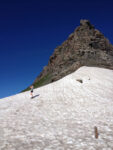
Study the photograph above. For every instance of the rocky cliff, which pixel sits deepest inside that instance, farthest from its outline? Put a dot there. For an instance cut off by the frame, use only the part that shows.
(85, 46)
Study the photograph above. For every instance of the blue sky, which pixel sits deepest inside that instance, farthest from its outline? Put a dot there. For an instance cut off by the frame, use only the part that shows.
(30, 31)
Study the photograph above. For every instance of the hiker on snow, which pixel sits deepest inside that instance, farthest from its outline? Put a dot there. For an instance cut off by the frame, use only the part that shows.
(31, 87)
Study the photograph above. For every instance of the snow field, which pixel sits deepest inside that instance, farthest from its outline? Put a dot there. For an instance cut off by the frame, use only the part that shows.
(63, 114)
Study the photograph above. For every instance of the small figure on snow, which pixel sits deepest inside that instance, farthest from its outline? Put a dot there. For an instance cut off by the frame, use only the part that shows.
(31, 87)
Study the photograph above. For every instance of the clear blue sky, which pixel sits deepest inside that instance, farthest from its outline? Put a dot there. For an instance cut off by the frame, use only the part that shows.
(30, 30)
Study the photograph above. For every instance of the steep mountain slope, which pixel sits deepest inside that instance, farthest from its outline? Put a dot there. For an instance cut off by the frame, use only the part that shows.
(62, 115)
(85, 46)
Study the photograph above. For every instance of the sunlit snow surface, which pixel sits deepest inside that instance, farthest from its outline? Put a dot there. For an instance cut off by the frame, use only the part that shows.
(62, 115)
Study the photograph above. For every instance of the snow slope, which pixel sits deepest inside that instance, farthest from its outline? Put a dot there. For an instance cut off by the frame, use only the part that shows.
(62, 115)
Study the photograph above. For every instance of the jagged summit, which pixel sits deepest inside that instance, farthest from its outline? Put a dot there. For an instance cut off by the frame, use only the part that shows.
(86, 46)
(86, 23)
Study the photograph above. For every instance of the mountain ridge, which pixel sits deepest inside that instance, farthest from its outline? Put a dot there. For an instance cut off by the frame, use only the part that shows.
(85, 46)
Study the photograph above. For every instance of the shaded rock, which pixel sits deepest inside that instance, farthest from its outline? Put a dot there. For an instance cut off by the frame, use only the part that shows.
(79, 80)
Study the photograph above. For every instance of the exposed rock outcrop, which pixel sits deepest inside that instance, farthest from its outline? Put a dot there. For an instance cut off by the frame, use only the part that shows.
(85, 46)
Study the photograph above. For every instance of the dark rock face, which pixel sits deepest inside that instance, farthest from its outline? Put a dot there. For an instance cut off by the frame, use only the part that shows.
(85, 46)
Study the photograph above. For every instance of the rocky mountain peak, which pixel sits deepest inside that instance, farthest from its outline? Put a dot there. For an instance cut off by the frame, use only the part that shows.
(86, 46)
(86, 23)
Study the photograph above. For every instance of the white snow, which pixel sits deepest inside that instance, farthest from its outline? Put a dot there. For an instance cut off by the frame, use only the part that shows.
(63, 114)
